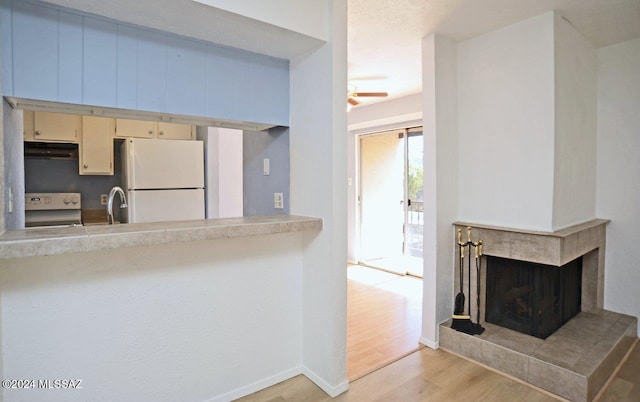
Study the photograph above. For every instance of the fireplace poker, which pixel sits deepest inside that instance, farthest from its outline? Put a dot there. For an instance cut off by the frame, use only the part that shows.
(478, 251)
(469, 243)
(459, 302)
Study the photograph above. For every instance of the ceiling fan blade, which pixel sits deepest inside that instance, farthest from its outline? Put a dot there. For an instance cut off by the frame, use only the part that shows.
(370, 94)
(352, 101)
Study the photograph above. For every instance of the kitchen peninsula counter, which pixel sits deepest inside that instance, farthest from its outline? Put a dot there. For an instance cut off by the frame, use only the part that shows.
(52, 241)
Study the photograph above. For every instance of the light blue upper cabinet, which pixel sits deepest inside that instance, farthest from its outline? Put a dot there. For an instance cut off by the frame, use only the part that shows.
(222, 72)
(152, 71)
(70, 58)
(186, 76)
(6, 37)
(127, 68)
(99, 62)
(65, 56)
(35, 51)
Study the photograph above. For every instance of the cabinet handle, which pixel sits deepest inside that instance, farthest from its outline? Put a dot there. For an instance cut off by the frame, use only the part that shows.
(37, 133)
(161, 132)
(86, 166)
(150, 132)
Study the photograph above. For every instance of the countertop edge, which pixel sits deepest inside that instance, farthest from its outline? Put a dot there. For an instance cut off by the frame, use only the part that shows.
(41, 242)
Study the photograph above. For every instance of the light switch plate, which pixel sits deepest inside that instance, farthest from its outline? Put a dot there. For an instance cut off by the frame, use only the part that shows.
(265, 166)
(10, 200)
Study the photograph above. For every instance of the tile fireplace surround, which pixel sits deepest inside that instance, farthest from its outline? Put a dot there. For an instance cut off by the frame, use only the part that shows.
(576, 360)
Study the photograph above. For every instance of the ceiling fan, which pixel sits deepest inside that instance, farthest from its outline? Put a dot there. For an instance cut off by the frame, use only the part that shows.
(353, 95)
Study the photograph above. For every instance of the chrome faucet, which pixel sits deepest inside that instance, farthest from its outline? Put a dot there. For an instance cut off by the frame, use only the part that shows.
(123, 204)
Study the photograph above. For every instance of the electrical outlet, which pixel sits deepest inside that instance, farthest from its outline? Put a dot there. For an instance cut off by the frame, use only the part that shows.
(278, 201)
(103, 199)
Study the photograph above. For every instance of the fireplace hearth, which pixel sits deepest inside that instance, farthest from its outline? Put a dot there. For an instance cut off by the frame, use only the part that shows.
(534, 299)
(574, 360)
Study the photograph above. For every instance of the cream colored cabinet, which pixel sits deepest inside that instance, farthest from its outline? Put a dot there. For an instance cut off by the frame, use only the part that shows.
(29, 129)
(96, 147)
(57, 127)
(135, 128)
(173, 131)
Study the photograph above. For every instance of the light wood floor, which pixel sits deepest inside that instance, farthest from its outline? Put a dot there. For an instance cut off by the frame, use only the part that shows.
(626, 384)
(384, 319)
(435, 375)
(424, 375)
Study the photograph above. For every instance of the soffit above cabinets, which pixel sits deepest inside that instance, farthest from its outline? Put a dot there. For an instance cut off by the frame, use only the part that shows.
(69, 108)
(203, 22)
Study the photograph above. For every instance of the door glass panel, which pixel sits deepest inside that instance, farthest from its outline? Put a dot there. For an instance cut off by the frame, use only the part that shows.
(415, 187)
(382, 194)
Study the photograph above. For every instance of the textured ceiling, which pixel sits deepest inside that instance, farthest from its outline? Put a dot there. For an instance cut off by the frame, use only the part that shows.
(385, 36)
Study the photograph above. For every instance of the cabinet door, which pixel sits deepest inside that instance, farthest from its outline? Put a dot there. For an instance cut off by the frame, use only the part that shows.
(28, 125)
(57, 127)
(172, 131)
(135, 128)
(96, 147)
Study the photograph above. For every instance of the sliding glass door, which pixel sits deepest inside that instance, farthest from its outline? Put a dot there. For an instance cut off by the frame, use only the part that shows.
(414, 221)
(391, 203)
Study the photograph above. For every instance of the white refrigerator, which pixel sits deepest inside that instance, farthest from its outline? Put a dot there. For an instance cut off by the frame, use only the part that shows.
(163, 179)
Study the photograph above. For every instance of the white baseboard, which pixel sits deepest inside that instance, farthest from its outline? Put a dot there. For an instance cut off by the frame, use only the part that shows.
(333, 391)
(429, 343)
(258, 385)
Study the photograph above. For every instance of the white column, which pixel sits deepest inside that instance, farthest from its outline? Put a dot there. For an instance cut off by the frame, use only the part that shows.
(440, 127)
(318, 133)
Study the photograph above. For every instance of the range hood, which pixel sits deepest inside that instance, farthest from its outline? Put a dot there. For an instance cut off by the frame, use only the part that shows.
(51, 150)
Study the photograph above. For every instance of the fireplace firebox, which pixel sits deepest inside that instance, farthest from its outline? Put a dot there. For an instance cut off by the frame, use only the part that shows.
(534, 299)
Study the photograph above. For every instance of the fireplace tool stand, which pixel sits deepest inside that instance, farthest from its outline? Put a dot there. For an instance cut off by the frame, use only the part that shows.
(461, 321)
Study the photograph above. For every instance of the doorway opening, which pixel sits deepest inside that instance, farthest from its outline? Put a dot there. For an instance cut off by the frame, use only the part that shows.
(385, 288)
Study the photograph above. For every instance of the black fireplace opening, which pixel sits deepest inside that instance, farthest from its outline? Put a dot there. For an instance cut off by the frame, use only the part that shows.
(531, 298)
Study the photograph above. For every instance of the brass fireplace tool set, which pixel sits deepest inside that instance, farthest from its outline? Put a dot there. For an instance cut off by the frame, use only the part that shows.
(461, 321)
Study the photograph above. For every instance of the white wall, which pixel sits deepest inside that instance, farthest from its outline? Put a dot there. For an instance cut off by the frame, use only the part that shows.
(223, 171)
(190, 322)
(230, 165)
(506, 125)
(574, 194)
(319, 188)
(304, 16)
(618, 167)
(441, 177)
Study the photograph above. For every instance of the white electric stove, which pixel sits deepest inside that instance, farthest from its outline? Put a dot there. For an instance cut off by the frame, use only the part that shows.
(52, 209)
